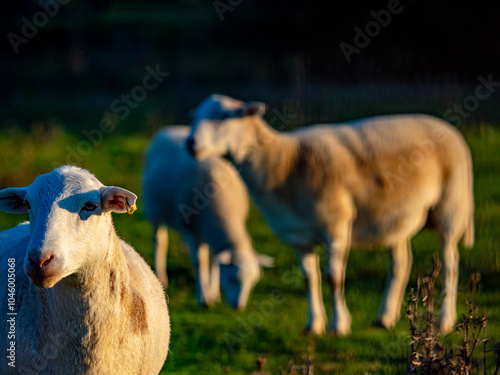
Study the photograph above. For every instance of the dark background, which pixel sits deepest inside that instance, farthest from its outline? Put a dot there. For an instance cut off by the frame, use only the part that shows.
(286, 53)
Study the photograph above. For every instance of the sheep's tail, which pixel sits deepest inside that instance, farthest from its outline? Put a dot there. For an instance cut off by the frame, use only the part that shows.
(160, 256)
(468, 238)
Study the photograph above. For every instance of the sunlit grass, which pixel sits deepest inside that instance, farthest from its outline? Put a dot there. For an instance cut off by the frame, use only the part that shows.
(219, 340)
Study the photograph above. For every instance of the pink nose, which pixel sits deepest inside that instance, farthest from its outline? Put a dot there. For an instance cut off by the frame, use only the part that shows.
(40, 261)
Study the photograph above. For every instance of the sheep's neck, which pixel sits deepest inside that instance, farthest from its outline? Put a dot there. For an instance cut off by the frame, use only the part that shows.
(89, 307)
(269, 157)
(111, 285)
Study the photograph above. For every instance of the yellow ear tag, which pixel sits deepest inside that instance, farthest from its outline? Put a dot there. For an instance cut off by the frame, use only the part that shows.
(130, 209)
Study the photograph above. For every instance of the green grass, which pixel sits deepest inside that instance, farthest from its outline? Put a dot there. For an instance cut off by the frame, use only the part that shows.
(220, 340)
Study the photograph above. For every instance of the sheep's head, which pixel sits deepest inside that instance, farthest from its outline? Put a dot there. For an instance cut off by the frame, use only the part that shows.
(70, 222)
(217, 127)
(239, 273)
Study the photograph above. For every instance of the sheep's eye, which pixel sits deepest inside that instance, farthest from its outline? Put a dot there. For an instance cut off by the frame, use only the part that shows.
(90, 206)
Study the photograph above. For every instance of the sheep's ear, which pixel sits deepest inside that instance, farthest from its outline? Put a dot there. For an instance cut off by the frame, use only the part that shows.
(12, 201)
(116, 199)
(224, 257)
(265, 260)
(254, 109)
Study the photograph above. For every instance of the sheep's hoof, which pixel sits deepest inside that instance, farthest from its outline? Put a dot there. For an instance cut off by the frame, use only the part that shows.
(206, 304)
(339, 332)
(208, 301)
(314, 329)
(378, 324)
(340, 327)
(446, 327)
(309, 332)
(215, 298)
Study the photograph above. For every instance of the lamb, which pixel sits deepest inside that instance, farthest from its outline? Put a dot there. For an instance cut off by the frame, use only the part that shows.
(374, 181)
(82, 300)
(208, 204)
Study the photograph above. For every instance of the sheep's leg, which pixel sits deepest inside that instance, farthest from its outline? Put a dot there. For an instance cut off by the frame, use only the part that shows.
(160, 246)
(215, 280)
(397, 280)
(200, 259)
(316, 316)
(204, 273)
(338, 250)
(451, 259)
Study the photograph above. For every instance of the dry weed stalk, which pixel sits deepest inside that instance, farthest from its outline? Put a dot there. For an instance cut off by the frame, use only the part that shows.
(293, 369)
(428, 354)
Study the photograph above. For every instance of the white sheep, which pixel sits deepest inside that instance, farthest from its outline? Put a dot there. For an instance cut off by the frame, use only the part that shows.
(207, 203)
(82, 300)
(374, 181)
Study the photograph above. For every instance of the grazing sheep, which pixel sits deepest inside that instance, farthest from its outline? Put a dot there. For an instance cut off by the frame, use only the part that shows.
(208, 204)
(85, 302)
(374, 181)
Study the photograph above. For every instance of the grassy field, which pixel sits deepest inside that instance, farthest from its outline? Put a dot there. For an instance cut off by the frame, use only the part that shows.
(219, 340)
